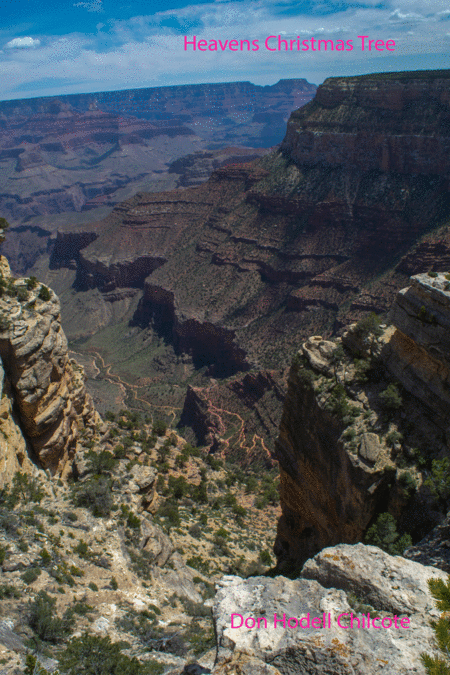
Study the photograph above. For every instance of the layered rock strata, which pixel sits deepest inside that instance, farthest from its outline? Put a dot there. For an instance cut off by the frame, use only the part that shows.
(48, 387)
(384, 585)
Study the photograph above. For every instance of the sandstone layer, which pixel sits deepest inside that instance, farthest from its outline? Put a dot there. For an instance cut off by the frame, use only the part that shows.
(47, 386)
(383, 584)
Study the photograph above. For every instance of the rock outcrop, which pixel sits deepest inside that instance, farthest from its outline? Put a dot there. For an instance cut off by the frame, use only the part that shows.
(348, 453)
(339, 584)
(46, 385)
(328, 492)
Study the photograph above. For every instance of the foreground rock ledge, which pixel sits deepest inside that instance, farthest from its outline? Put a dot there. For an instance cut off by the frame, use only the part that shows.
(390, 584)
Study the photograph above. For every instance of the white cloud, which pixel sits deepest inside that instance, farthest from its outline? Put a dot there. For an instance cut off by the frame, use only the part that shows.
(149, 51)
(23, 43)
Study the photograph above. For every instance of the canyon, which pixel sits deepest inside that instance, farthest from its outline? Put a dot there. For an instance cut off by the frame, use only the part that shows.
(175, 299)
(87, 152)
(188, 305)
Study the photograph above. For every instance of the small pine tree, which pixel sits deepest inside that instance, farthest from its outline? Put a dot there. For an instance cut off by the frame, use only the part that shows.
(383, 533)
(440, 664)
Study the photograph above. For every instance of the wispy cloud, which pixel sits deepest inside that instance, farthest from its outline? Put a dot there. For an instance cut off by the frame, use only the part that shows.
(23, 43)
(91, 6)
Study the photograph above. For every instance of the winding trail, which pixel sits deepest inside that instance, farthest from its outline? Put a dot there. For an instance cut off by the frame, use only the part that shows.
(128, 390)
(241, 439)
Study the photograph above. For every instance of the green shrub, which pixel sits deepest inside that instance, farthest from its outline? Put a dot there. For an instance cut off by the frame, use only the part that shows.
(7, 591)
(198, 563)
(94, 655)
(46, 558)
(31, 282)
(82, 549)
(178, 486)
(433, 275)
(133, 521)
(440, 664)
(265, 557)
(196, 531)
(93, 586)
(439, 480)
(100, 462)
(43, 620)
(44, 293)
(120, 451)
(169, 510)
(390, 398)
(30, 575)
(214, 463)
(394, 437)
(24, 489)
(113, 583)
(407, 482)
(22, 294)
(337, 402)
(5, 323)
(159, 427)
(383, 533)
(94, 495)
(368, 325)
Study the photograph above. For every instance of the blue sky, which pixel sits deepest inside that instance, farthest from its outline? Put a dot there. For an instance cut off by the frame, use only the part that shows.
(61, 47)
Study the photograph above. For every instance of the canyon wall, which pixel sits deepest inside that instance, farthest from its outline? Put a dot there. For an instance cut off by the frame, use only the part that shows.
(345, 460)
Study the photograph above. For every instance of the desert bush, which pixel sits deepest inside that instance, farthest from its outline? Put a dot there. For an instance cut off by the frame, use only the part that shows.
(439, 664)
(368, 325)
(95, 655)
(196, 531)
(8, 591)
(31, 282)
(30, 575)
(265, 557)
(22, 294)
(94, 495)
(390, 398)
(439, 480)
(169, 510)
(214, 463)
(100, 462)
(44, 293)
(159, 427)
(407, 482)
(44, 621)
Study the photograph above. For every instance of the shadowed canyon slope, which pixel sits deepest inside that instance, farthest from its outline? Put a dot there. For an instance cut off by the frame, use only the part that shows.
(176, 288)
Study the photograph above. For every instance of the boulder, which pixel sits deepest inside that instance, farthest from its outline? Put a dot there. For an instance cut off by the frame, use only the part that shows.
(316, 629)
